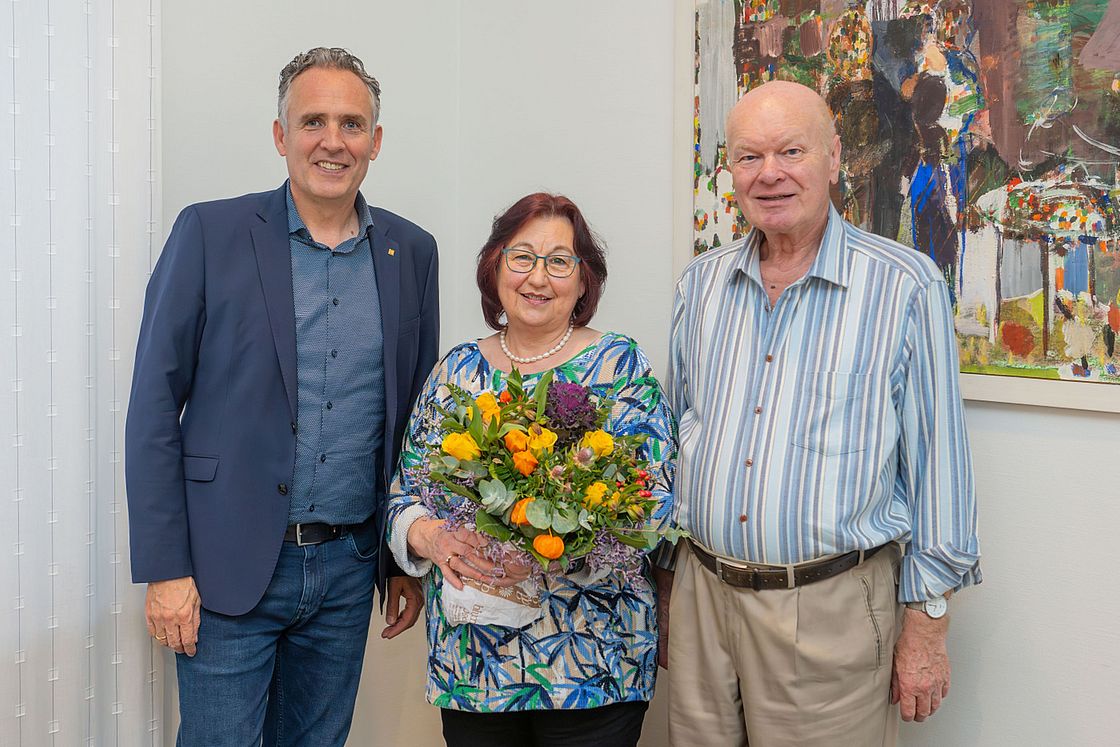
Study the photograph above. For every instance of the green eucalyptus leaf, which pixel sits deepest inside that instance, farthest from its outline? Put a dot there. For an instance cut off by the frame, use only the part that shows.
(565, 519)
(539, 513)
(495, 497)
(476, 469)
(673, 534)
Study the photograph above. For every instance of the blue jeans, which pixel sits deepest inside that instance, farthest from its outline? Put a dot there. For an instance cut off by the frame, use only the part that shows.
(287, 671)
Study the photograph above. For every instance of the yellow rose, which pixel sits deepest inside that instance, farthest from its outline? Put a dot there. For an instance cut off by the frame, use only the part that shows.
(598, 441)
(593, 494)
(517, 440)
(488, 405)
(461, 446)
(540, 439)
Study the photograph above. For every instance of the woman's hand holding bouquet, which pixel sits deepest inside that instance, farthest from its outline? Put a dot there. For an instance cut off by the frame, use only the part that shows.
(539, 483)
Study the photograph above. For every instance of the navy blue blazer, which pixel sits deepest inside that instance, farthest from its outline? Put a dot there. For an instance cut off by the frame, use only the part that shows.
(210, 433)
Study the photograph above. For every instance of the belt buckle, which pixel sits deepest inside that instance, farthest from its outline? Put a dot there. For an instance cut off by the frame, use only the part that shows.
(299, 536)
(756, 577)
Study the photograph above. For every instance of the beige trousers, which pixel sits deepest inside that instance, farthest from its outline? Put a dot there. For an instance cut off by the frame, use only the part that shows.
(803, 667)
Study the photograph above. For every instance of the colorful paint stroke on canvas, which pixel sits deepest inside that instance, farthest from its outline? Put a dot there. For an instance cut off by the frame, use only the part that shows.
(985, 134)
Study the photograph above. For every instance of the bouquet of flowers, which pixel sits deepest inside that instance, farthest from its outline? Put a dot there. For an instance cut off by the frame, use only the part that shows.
(539, 473)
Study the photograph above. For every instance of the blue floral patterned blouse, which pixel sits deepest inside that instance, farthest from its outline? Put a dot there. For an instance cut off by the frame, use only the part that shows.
(595, 644)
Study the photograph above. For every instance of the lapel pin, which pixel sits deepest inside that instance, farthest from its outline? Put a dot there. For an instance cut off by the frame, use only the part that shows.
(392, 251)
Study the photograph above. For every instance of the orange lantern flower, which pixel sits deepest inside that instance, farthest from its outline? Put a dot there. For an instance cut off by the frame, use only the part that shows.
(548, 545)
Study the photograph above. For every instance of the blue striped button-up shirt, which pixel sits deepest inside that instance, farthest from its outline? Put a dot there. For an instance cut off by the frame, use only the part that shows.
(829, 422)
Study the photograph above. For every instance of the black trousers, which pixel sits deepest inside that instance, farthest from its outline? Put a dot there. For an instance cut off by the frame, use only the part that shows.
(616, 725)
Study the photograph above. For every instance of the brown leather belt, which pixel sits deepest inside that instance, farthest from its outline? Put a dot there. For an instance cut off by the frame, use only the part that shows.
(759, 577)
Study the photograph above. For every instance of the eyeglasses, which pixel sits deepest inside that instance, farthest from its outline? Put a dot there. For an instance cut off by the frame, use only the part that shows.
(556, 265)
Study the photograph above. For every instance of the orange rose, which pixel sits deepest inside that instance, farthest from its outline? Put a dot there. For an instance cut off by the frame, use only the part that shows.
(517, 440)
(519, 509)
(525, 462)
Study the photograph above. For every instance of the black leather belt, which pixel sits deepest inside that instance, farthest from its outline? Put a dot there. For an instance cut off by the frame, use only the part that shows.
(759, 577)
(313, 534)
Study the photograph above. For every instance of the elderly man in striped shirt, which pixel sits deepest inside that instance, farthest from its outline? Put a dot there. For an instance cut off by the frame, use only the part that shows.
(813, 367)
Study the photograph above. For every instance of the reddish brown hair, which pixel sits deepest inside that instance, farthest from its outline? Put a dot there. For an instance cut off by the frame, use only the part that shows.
(592, 267)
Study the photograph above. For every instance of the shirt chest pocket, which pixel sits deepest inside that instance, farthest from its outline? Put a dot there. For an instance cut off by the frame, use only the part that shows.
(834, 411)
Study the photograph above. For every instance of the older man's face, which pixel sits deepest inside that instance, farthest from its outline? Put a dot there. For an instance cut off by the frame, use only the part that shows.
(782, 162)
(330, 138)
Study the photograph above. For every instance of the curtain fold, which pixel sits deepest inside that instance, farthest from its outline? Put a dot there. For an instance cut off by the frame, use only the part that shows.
(79, 231)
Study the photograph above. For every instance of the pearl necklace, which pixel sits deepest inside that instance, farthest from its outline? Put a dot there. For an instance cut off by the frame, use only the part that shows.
(533, 359)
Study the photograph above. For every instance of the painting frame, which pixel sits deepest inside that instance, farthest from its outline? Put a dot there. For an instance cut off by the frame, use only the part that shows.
(1051, 393)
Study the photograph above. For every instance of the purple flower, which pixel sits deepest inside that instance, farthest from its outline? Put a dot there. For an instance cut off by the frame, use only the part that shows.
(569, 410)
(608, 552)
(439, 501)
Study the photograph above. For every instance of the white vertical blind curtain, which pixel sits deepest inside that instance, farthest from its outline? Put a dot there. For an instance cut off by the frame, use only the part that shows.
(79, 231)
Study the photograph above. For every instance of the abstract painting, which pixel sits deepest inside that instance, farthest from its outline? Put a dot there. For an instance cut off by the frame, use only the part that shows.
(984, 133)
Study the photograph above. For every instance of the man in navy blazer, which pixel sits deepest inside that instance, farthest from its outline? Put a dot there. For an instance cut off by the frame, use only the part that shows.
(285, 337)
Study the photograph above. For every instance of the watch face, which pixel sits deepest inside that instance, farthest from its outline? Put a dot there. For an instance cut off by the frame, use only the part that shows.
(936, 608)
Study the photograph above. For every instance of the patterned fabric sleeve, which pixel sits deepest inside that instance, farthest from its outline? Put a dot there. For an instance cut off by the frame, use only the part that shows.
(404, 499)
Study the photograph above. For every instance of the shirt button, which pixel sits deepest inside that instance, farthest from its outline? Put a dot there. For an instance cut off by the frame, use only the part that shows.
(282, 488)
(749, 462)
(743, 518)
(322, 458)
(334, 353)
(294, 429)
(330, 405)
(334, 301)
(769, 358)
(758, 411)
(311, 508)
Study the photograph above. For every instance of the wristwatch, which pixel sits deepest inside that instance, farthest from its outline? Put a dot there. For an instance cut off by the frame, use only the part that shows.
(935, 608)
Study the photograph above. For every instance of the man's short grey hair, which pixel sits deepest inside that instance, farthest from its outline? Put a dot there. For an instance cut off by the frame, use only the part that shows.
(332, 58)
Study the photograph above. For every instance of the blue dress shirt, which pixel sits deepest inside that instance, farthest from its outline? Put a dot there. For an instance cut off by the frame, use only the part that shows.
(340, 411)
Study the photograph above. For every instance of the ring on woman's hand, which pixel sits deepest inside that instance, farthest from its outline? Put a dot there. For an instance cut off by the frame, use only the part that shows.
(448, 561)
(160, 638)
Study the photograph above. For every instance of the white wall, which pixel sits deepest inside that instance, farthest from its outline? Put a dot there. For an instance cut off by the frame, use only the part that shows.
(484, 101)
(1036, 647)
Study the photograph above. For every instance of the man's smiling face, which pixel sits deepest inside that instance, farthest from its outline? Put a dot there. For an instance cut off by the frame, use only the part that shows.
(330, 137)
(783, 154)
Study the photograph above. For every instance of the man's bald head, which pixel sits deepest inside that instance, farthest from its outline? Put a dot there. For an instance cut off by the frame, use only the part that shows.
(785, 97)
(784, 153)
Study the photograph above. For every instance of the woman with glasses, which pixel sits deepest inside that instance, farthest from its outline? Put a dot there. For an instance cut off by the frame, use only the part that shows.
(583, 673)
